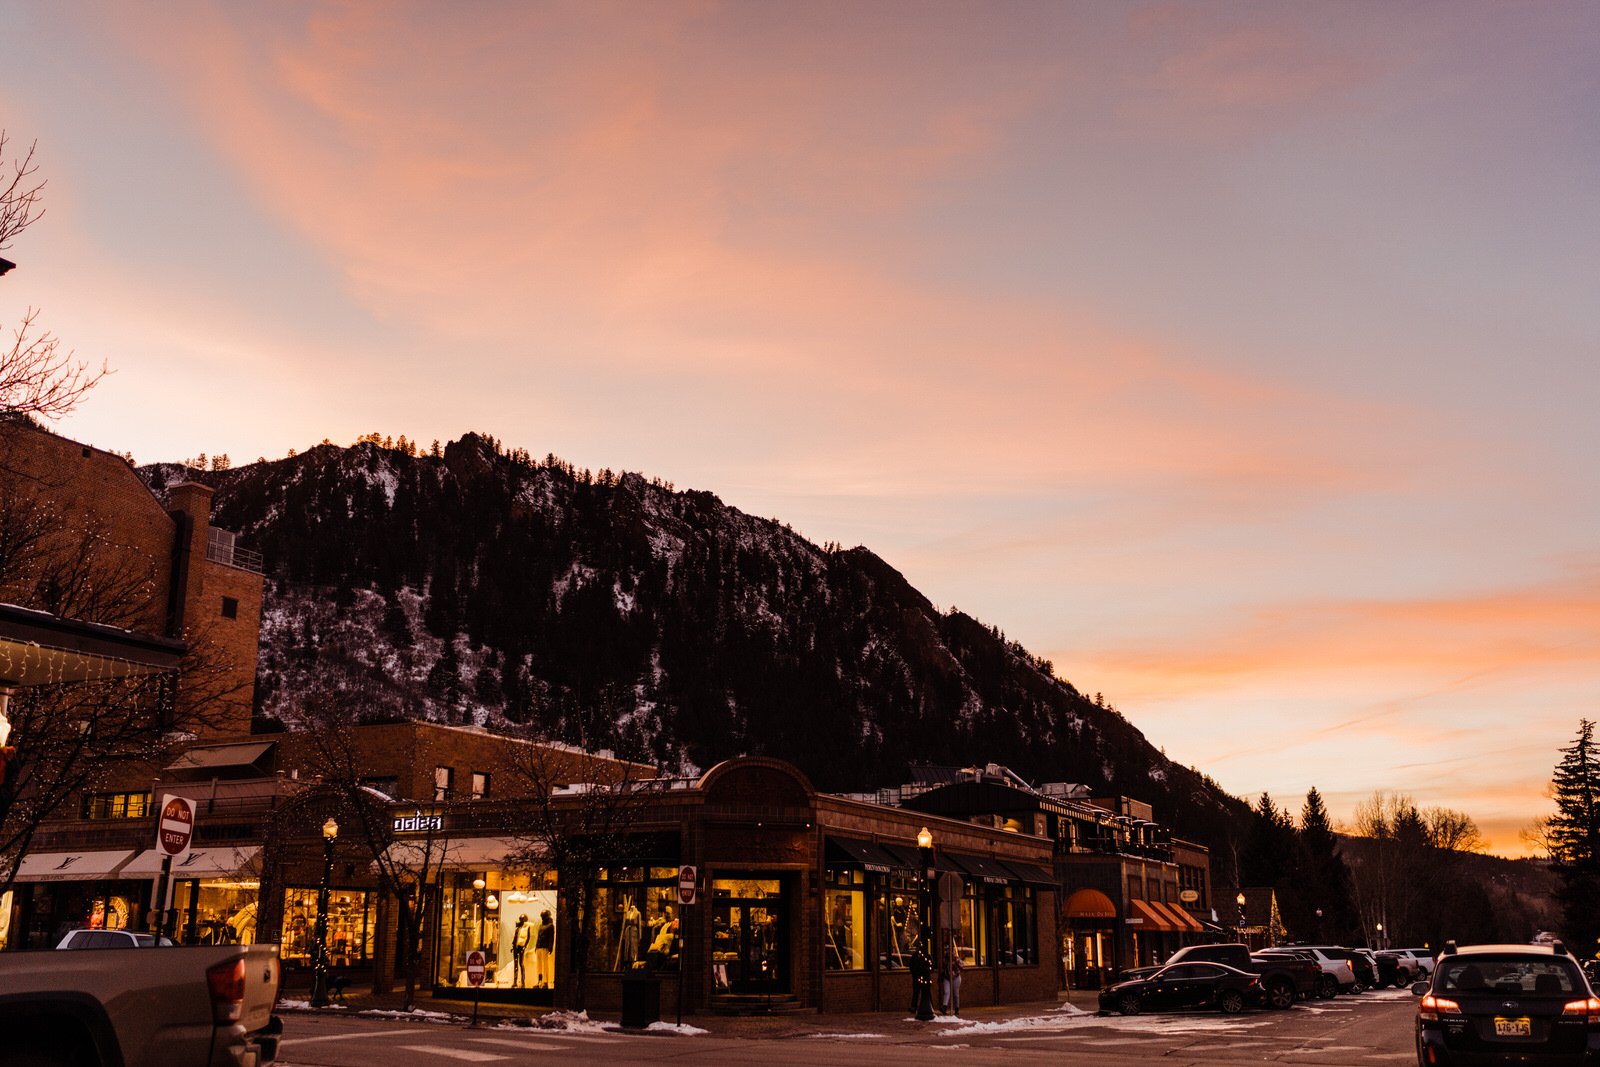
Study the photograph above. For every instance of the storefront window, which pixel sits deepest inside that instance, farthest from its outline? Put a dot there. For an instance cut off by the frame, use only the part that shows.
(635, 920)
(1015, 938)
(844, 911)
(350, 926)
(508, 915)
(223, 911)
(5, 919)
(974, 927)
(898, 921)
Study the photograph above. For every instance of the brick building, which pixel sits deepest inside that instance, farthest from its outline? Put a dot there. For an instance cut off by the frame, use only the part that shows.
(128, 629)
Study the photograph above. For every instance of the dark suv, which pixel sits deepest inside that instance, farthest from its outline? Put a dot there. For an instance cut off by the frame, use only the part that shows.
(1503, 1004)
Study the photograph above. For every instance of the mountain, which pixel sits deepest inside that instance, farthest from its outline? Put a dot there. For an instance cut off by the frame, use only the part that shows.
(477, 585)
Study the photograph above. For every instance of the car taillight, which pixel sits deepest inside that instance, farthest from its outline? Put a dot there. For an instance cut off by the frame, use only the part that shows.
(226, 984)
(1255, 983)
(1431, 1007)
(1588, 1008)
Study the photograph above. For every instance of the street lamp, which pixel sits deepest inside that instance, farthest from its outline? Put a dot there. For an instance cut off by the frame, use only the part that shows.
(924, 977)
(1380, 935)
(319, 958)
(1319, 925)
(1239, 900)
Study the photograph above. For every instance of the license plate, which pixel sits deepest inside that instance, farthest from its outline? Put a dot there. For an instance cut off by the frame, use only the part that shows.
(1504, 1027)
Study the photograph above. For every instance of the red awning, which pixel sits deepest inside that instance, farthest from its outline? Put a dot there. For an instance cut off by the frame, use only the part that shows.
(1088, 904)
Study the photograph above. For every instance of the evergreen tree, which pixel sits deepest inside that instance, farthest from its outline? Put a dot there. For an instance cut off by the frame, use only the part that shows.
(1269, 850)
(396, 626)
(445, 681)
(1321, 881)
(1574, 836)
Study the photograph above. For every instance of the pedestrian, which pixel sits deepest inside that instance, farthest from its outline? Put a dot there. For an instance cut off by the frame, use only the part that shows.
(950, 979)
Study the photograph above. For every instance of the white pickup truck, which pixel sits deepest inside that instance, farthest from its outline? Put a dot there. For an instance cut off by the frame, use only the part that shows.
(205, 1006)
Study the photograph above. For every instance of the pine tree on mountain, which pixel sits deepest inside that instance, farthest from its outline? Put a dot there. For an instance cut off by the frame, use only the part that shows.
(1574, 836)
(1322, 879)
(444, 680)
(1269, 850)
(396, 624)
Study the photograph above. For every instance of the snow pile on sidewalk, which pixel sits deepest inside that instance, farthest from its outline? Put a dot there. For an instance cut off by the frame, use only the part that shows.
(577, 1022)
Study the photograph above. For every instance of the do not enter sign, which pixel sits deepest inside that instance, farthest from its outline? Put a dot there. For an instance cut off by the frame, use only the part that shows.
(475, 968)
(688, 880)
(175, 830)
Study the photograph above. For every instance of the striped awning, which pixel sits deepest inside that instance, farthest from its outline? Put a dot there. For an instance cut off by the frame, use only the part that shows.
(1146, 917)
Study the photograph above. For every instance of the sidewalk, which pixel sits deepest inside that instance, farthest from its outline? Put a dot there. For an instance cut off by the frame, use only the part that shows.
(453, 1012)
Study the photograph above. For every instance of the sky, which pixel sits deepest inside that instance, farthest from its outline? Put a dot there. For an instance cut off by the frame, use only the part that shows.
(1239, 358)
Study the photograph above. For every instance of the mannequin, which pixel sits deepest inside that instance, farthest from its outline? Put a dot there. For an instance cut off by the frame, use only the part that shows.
(632, 924)
(521, 937)
(544, 944)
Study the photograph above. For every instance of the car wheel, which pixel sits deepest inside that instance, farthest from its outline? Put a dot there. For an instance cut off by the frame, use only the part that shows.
(1128, 1004)
(1327, 987)
(1280, 995)
(1231, 1002)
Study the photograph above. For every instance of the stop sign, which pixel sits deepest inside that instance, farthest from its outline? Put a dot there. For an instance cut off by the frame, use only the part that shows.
(175, 828)
(475, 966)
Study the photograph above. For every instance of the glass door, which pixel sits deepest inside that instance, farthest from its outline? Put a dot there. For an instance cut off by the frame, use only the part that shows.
(749, 940)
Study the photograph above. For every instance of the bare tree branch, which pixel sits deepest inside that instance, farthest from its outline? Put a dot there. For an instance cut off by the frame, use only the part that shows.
(37, 379)
(19, 200)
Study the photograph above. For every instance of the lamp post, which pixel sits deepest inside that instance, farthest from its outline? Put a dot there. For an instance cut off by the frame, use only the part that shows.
(1319, 925)
(1239, 900)
(925, 975)
(319, 957)
(1380, 944)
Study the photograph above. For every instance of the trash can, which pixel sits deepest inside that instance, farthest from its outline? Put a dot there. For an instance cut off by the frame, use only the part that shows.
(641, 1001)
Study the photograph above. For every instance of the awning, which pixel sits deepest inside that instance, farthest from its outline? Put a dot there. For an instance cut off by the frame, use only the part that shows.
(225, 862)
(459, 853)
(1145, 916)
(907, 859)
(40, 648)
(984, 870)
(219, 757)
(863, 854)
(1029, 873)
(1186, 923)
(72, 866)
(1089, 904)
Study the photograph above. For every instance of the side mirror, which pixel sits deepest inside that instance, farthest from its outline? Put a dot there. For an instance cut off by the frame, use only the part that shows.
(1419, 989)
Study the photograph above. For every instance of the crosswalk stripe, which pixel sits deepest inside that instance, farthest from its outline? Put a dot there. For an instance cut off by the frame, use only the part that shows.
(456, 1053)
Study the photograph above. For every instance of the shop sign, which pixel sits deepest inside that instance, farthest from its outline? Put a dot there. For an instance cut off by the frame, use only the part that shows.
(175, 830)
(1189, 896)
(688, 881)
(418, 823)
(476, 964)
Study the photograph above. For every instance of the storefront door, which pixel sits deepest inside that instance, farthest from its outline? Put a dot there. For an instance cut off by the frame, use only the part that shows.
(750, 936)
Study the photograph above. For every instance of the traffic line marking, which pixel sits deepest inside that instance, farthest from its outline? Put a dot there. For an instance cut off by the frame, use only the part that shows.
(410, 1031)
(456, 1053)
(527, 1046)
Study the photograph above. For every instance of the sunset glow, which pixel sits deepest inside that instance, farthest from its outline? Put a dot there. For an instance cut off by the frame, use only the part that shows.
(1239, 358)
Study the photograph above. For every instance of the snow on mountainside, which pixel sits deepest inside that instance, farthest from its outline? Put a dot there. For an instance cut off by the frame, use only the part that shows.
(484, 587)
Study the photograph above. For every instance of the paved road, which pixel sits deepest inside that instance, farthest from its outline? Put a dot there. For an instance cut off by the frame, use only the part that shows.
(1366, 1031)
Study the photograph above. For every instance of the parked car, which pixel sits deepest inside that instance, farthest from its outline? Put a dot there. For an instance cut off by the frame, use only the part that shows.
(1337, 974)
(86, 938)
(1361, 965)
(1505, 1004)
(1396, 969)
(1424, 958)
(1185, 986)
(1283, 981)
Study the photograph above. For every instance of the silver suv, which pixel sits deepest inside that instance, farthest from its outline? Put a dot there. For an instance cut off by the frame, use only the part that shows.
(111, 939)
